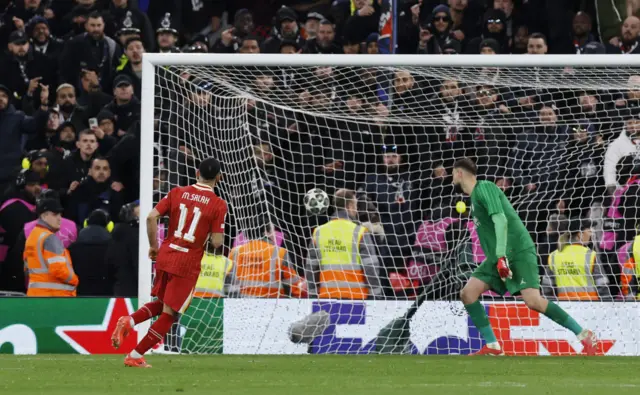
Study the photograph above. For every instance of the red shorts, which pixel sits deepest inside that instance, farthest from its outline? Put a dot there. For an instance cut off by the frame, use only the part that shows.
(174, 291)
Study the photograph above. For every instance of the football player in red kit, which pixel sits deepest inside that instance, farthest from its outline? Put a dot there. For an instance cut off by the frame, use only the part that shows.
(195, 215)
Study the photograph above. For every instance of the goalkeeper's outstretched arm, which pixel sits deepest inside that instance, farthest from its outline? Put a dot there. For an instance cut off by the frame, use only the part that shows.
(500, 226)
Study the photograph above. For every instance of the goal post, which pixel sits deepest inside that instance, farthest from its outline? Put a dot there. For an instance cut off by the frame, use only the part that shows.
(537, 125)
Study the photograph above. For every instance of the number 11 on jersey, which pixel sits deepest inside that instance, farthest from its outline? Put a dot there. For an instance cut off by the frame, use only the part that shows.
(184, 212)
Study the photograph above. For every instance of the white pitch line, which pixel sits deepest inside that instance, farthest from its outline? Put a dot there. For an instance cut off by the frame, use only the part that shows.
(484, 384)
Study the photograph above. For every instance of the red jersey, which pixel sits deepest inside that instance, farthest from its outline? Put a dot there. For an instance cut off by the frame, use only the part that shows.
(194, 213)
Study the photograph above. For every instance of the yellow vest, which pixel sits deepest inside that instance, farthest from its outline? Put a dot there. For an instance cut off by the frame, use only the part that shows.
(572, 268)
(341, 274)
(123, 62)
(635, 248)
(214, 270)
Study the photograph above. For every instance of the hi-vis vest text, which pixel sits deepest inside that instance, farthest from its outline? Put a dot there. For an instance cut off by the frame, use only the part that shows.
(341, 272)
(572, 268)
(214, 270)
(259, 271)
(48, 265)
(631, 269)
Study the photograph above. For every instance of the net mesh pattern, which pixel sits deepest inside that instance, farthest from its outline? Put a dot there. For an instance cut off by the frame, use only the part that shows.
(559, 141)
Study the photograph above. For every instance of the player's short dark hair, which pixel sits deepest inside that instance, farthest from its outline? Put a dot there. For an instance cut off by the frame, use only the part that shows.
(209, 169)
(466, 164)
(343, 197)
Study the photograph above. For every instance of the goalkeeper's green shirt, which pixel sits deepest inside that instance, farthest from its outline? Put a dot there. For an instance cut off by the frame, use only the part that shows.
(486, 200)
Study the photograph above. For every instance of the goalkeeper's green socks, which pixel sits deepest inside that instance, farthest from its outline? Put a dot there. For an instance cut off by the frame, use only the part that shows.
(481, 321)
(560, 317)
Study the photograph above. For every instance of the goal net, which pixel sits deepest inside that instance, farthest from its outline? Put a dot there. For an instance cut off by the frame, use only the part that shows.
(557, 134)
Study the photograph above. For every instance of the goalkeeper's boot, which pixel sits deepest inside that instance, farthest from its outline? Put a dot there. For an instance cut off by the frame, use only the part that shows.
(486, 350)
(123, 328)
(589, 342)
(131, 362)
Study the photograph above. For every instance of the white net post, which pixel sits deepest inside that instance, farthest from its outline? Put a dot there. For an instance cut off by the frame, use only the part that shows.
(538, 126)
(147, 132)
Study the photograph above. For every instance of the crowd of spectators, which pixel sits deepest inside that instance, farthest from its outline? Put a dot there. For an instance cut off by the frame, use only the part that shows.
(70, 90)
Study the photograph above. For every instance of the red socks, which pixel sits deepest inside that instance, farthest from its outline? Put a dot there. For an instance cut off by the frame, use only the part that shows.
(146, 312)
(156, 333)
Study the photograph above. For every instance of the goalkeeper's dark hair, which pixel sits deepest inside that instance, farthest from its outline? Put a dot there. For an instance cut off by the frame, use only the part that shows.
(343, 197)
(466, 164)
(209, 169)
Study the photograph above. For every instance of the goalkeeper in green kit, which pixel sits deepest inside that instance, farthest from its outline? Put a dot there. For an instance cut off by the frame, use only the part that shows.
(511, 262)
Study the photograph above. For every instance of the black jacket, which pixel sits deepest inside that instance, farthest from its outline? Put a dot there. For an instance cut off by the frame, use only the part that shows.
(124, 254)
(580, 171)
(76, 169)
(83, 52)
(12, 220)
(126, 114)
(13, 125)
(629, 208)
(57, 174)
(90, 196)
(89, 259)
(93, 102)
(51, 49)
(124, 159)
(35, 65)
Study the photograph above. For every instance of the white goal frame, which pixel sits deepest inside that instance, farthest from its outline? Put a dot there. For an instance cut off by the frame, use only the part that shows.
(151, 60)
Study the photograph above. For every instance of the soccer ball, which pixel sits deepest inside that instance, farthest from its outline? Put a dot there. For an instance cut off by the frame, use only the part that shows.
(316, 201)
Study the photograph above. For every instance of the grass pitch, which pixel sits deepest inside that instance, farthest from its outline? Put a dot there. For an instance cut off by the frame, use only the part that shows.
(326, 375)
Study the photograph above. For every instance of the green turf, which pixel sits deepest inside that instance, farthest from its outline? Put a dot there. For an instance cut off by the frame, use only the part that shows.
(326, 375)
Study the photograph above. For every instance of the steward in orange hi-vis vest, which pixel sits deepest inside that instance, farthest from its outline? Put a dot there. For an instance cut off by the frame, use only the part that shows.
(261, 269)
(47, 262)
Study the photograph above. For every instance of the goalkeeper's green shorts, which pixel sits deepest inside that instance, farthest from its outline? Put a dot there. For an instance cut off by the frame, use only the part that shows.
(524, 266)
